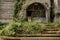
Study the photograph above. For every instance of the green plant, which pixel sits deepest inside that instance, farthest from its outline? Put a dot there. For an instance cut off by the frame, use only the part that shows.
(10, 29)
(18, 6)
(2, 25)
(22, 27)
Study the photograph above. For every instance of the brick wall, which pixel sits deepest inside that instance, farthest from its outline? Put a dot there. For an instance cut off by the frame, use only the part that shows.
(6, 10)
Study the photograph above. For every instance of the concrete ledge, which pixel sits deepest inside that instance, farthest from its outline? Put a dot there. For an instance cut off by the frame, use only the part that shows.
(31, 38)
(38, 35)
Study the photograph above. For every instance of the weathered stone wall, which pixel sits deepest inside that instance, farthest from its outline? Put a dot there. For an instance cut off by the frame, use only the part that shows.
(45, 3)
(6, 10)
(58, 6)
(57, 10)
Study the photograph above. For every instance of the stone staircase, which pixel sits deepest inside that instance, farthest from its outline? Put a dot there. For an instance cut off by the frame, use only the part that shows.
(50, 33)
(51, 30)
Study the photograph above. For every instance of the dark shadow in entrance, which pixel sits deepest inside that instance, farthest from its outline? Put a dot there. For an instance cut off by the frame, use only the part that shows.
(52, 14)
(36, 10)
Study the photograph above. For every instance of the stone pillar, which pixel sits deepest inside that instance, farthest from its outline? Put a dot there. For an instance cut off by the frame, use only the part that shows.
(55, 10)
(47, 15)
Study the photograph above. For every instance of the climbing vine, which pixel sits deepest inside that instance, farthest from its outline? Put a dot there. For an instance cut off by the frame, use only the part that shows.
(18, 6)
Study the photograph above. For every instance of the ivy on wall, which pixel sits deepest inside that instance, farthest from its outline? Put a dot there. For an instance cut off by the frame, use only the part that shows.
(18, 6)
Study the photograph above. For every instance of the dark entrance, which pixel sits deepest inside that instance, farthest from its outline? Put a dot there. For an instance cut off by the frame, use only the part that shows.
(36, 11)
(52, 14)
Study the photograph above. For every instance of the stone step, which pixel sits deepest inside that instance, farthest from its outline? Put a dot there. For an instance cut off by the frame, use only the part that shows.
(50, 29)
(37, 35)
(50, 32)
(31, 38)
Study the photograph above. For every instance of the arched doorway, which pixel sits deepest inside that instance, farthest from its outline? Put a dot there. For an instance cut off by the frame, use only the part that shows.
(36, 12)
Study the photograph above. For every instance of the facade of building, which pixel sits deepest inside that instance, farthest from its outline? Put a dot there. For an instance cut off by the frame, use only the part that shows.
(37, 10)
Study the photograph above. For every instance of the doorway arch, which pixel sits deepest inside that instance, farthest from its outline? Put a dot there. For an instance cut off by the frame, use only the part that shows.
(36, 11)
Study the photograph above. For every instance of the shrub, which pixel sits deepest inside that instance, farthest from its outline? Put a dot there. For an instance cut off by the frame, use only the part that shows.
(18, 8)
(2, 25)
(22, 28)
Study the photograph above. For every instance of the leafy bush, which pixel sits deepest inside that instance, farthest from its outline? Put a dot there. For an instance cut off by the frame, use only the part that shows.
(22, 28)
(2, 25)
(9, 29)
(18, 7)
(32, 27)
